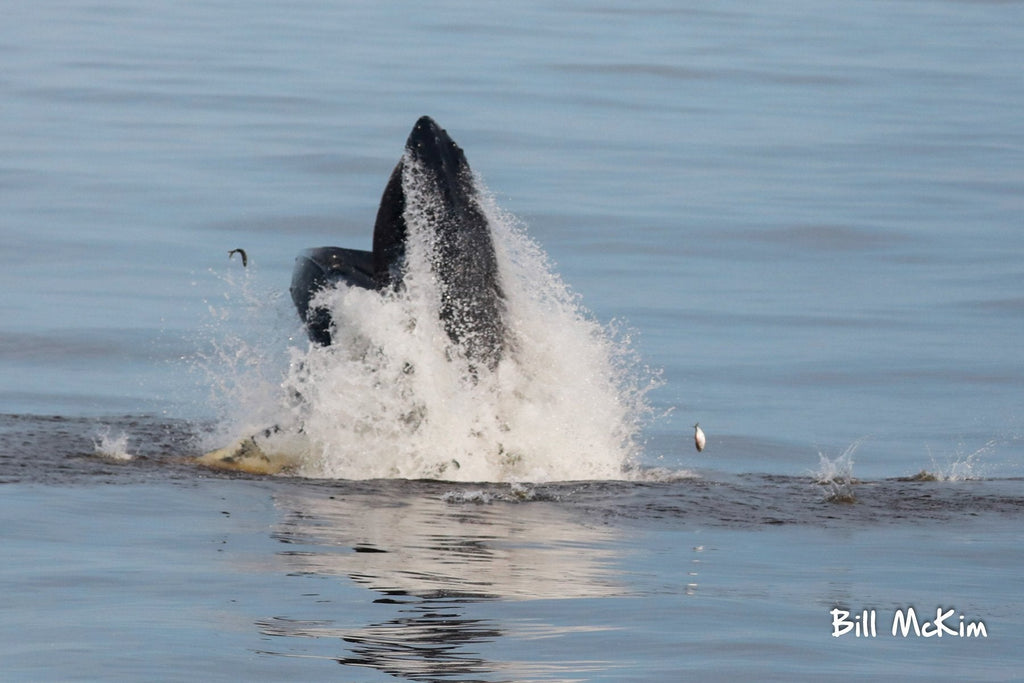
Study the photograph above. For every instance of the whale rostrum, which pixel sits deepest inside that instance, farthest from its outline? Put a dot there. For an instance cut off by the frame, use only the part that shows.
(431, 189)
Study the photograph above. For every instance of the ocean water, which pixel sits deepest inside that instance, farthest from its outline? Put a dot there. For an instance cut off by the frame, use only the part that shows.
(798, 225)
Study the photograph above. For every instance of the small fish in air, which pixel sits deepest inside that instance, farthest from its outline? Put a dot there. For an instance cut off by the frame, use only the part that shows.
(698, 437)
(245, 258)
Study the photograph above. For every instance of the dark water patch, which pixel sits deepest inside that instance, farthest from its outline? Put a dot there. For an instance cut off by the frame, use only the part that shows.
(1009, 306)
(683, 73)
(135, 448)
(753, 501)
(57, 450)
(747, 501)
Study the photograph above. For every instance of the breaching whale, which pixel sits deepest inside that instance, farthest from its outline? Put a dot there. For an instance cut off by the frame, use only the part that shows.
(433, 184)
(431, 189)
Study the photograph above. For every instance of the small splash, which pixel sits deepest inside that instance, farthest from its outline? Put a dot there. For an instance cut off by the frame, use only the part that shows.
(960, 467)
(244, 356)
(836, 475)
(477, 496)
(112, 447)
(516, 492)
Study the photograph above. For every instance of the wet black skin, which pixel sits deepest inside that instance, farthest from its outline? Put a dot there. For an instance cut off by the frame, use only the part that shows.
(472, 303)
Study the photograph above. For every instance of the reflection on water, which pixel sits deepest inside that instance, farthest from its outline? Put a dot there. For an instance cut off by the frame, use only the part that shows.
(424, 643)
(474, 584)
(431, 561)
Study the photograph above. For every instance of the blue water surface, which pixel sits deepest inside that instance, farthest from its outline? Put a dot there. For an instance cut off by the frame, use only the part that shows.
(807, 215)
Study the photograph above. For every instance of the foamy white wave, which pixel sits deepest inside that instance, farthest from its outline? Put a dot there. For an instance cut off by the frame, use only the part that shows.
(394, 397)
(112, 447)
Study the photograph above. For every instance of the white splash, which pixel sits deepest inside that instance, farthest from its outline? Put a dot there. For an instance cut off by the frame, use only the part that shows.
(962, 466)
(112, 447)
(836, 474)
(393, 398)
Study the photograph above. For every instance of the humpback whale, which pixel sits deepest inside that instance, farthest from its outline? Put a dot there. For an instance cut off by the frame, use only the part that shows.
(431, 189)
(431, 192)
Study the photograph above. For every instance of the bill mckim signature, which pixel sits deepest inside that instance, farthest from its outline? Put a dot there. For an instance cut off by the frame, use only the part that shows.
(907, 624)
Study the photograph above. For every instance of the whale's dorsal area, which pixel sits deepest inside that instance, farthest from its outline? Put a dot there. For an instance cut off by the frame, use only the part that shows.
(431, 194)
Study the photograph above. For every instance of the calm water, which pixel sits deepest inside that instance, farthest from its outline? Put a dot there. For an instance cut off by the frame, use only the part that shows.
(805, 217)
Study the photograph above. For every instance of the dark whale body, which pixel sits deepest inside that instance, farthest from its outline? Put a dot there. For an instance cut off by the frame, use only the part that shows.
(433, 187)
